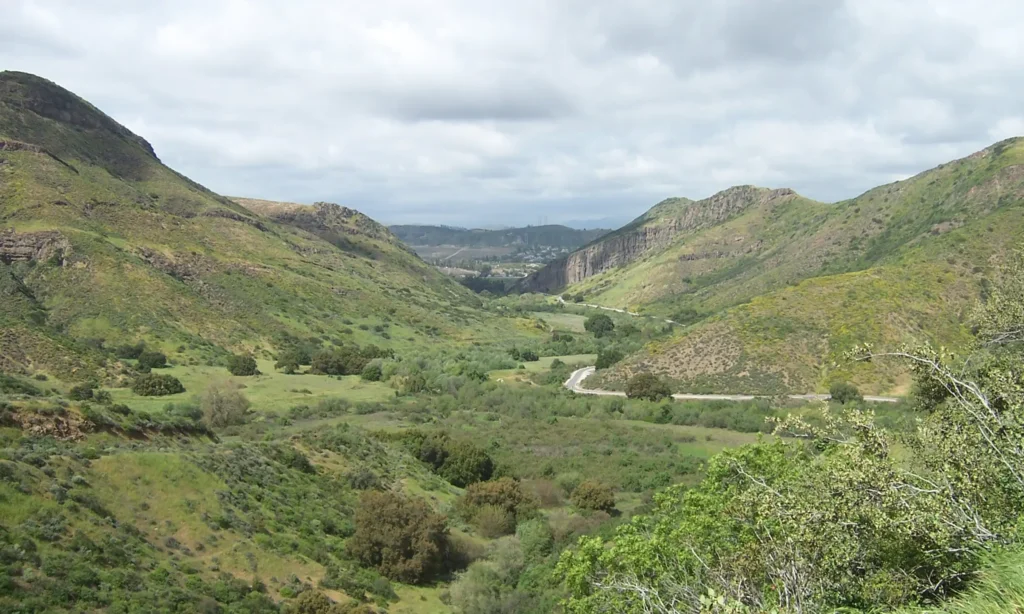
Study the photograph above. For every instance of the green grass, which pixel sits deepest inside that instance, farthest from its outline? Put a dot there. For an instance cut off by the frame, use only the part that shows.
(998, 589)
(562, 321)
(270, 392)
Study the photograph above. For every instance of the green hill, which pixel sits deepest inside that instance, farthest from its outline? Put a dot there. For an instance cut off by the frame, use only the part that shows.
(781, 285)
(530, 236)
(101, 244)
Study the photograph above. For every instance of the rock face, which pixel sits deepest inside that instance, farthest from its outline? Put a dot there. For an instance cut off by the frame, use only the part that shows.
(650, 233)
(33, 246)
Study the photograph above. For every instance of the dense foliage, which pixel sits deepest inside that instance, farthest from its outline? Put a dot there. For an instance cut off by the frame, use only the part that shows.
(156, 385)
(242, 365)
(647, 386)
(402, 538)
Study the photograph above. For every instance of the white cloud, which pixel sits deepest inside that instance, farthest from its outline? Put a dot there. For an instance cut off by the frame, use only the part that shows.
(464, 111)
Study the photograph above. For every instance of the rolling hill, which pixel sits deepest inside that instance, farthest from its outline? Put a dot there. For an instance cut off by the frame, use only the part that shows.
(530, 236)
(102, 244)
(777, 287)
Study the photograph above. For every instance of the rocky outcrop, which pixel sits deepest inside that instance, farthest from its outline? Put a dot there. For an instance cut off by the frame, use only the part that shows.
(649, 234)
(33, 246)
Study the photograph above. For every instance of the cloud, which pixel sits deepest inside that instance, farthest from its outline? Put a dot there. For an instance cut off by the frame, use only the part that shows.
(474, 112)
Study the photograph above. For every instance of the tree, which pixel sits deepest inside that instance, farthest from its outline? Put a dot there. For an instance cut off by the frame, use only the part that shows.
(844, 393)
(130, 351)
(504, 494)
(608, 357)
(466, 464)
(593, 496)
(243, 365)
(155, 385)
(647, 386)
(372, 372)
(152, 360)
(223, 405)
(402, 538)
(81, 392)
(599, 325)
(289, 361)
(529, 356)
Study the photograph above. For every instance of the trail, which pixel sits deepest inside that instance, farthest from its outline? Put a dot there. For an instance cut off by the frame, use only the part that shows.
(452, 255)
(575, 381)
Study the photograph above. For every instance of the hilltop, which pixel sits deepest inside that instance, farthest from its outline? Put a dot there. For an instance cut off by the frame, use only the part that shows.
(551, 235)
(101, 244)
(777, 286)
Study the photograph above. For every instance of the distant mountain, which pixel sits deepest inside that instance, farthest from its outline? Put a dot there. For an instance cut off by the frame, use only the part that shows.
(555, 236)
(779, 286)
(101, 244)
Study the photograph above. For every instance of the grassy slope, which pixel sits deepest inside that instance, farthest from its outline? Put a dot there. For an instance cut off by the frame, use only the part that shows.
(902, 262)
(154, 256)
(998, 589)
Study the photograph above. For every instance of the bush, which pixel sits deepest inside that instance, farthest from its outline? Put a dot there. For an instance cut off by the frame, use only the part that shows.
(599, 325)
(402, 538)
(130, 351)
(466, 464)
(102, 397)
(372, 372)
(156, 385)
(536, 539)
(647, 386)
(493, 521)
(242, 365)
(81, 392)
(152, 360)
(593, 496)
(223, 405)
(845, 393)
(608, 357)
(505, 494)
(529, 356)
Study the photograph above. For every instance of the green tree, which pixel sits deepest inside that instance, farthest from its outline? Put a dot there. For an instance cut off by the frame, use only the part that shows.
(599, 325)
(593, 496)
(647, 386)
(529, 356)
(608, 357)
(844, 393)
(152, 360)
(81, 392)
(402, 538)
(242, 365)
(154, 385)
(372, 372)
(465, 464)
(224, 405)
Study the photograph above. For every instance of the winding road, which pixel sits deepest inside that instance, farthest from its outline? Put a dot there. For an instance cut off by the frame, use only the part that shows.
(575, 381)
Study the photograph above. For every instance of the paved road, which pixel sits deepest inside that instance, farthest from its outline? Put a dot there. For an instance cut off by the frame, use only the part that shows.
(575, 384)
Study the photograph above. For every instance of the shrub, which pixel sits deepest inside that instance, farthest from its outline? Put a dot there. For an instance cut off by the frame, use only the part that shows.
(224, 405)
(493, 521)
(608, 357)
(599, 325)
(402, 538)
(102, 397)
(593, 496)
(156, 385)
(81, 392)
(647, 386)
(152, 360)
(372, 372)
(529, 356)
(536, 539)
(504, 493)
(242, 365)
(844, 393)
(466, 464)
(130, 351)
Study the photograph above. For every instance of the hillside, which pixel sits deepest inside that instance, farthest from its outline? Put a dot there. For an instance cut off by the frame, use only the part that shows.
(529, 236)
(781, 285)
(101, 244)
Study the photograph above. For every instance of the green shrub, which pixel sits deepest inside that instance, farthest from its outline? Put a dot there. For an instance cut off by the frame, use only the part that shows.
(152, 360)
(593, 496)
(599, 325)
(647, 386)
(13, 385)
(402, 538)
(529, 356)
(505, 494)
(608, 357)
(844, 393)
(81, 392)
(130, 351)
(493, 521)
(372, 372)
(243, 365)
(466, 464)
(224, 405)
(155, 385)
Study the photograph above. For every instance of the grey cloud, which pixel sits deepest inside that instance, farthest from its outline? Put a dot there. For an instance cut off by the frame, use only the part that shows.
(479, 111)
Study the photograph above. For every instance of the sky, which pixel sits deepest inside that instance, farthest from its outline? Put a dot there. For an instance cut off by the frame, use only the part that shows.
(484, 112)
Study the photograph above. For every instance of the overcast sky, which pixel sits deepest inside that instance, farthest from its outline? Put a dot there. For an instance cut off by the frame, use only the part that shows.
(490, 112)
